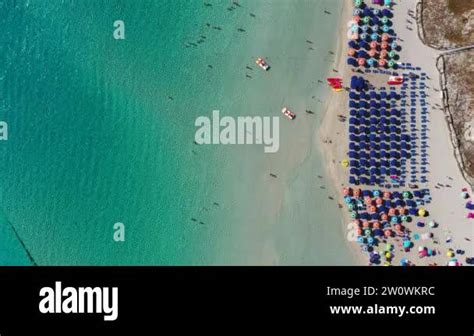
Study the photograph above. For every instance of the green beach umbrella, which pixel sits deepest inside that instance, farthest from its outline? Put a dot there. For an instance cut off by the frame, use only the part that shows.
(353, 214)
(358, 3)
(385, 20)
(391, 64)
(366, 19)
(392, 54)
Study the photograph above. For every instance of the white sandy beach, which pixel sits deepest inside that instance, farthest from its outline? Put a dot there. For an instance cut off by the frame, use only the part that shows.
(447, 208)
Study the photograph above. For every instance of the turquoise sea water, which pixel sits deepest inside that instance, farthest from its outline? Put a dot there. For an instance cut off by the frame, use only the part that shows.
(95, 139)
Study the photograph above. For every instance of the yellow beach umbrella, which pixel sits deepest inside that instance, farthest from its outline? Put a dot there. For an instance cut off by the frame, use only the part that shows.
(345, 163)
(421, 212)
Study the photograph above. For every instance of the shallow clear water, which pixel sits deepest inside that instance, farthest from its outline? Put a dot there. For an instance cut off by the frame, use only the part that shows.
(95, 139)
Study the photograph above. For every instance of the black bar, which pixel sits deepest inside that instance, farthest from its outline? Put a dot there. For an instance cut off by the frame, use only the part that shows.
(158, 298)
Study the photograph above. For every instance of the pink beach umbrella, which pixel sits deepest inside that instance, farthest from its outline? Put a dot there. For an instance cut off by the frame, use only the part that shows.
(385, 37)
(373, 44)
(361, 61)
(383, 54)
(384, 45)
(382, 62)
(351, 52)
(372, 52)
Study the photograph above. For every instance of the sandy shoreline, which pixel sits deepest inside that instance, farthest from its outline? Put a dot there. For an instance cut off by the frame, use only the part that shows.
(333, 130)
(447, 208)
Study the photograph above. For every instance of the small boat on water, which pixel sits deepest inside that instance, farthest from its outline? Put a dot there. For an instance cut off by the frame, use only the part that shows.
(262, 64)
(395, 80)
(287, 113)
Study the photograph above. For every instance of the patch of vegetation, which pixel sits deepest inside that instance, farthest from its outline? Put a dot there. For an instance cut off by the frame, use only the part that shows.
(460, 7)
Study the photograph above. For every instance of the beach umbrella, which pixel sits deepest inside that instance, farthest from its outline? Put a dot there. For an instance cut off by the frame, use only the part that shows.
(421, 212)
(382, 63)
(353, 45)
(394, 46)
(366, 19)
(375, 28)
(392, 54)
(364, 44)
(391, 64)
(387, 12)
(385, 20)
(355, 171)
(385, 37)
(355, 28)
(372, 52)
(373, 45)
(383, 54)
(407, 244)
(385, 29)
(374, 36)
(351, 52)
(384, 45)
(352, 61)
(365, 28)
(363, 36)
(353, 95)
